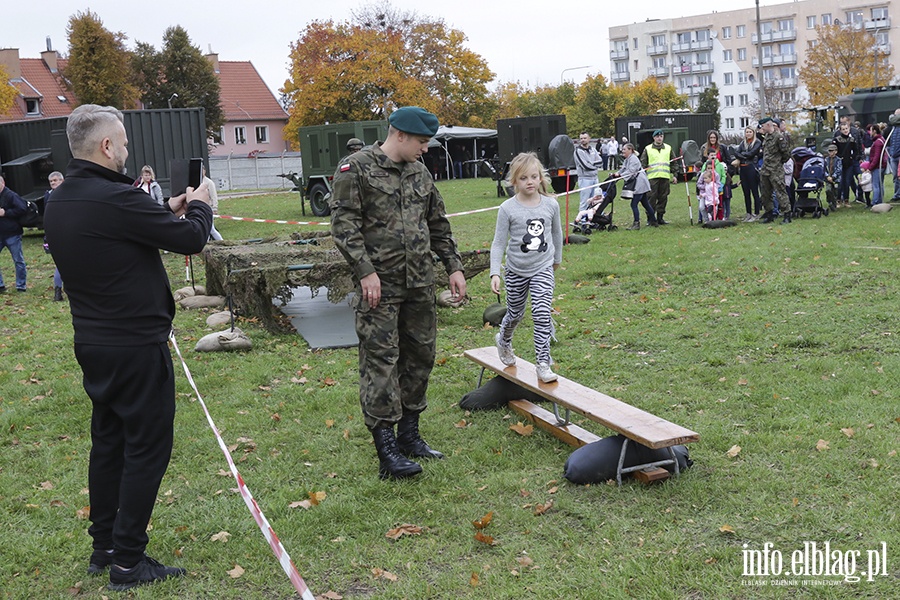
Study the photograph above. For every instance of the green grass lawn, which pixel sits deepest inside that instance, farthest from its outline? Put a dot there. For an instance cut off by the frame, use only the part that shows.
(779, 340)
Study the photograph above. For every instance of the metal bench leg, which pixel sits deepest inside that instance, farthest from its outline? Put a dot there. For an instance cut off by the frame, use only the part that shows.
(671, 450)
(560, 421)
(621, 462)
(480, 376)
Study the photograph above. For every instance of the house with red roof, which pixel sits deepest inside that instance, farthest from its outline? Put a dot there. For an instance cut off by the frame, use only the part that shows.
(42, 90)
(254, 119)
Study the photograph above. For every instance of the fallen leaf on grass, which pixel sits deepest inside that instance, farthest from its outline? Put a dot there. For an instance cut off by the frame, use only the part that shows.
(222, 536)
(406, 529)
(727, 529)
(485, 539)
(733, 451)
(473, 580)
(329, 595)
(461, 424)
(525, 561)
(483, 521)
(522, 429)
(848, 431)
(382, 574)
(821, 445)
(540, 509)
(329, 381)
(236, 572)
(45, 485)
(83, 513)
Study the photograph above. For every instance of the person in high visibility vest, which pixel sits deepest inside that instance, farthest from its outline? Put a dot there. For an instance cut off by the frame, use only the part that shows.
(661, 171)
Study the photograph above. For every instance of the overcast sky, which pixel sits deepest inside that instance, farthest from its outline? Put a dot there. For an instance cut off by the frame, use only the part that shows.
(532, 42)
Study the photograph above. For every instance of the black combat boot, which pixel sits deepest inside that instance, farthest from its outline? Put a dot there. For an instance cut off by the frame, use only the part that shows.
(391, 462)
(634, 226)
(786, 219)
(769, 217)
(410, 442)
(57, 294)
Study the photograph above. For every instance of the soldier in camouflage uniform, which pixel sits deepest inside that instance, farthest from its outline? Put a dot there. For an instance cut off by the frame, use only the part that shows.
(387, 218)
(771, 176)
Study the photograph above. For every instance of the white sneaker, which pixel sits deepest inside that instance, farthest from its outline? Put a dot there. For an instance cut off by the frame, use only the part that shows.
(505, 352)
(544, 373)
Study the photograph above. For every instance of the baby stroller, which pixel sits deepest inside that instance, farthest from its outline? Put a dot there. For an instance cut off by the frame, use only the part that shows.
(809, 173)
(594, 218)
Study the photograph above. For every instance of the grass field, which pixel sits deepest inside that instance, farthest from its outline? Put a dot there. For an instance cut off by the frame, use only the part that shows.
(777, 344)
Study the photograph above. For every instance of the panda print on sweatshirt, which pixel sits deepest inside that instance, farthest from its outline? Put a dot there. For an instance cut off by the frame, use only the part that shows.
(533, 240)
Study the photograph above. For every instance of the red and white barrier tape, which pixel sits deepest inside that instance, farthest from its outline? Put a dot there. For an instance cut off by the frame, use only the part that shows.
(280, 553)
(276, 221)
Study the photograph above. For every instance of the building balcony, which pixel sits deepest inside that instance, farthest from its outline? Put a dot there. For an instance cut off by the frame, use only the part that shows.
(776, 59)
(692, 68)
(658, 72)
(883, 49)
(785, 35)
(778, 83)
(692, 46)
(618, 76)
(618, 54)
(876, 24)
(657, 50)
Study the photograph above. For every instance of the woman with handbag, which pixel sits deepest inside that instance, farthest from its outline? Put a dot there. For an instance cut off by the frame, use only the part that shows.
(636, 187)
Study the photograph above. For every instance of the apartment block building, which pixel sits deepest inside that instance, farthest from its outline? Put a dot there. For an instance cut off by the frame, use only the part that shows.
(723, 48)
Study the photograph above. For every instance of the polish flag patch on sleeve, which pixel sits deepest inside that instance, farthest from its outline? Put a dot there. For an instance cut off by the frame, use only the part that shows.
(345, 168)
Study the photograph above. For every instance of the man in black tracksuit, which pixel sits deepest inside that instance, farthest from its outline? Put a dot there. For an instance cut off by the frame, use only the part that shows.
(105, 237)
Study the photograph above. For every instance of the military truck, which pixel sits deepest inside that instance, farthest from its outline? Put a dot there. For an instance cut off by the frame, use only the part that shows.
(321, 149)
(545, 136)
(679, 126)
(870, 105)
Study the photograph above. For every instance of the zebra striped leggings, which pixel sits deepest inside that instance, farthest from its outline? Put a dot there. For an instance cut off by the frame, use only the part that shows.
(540, 286)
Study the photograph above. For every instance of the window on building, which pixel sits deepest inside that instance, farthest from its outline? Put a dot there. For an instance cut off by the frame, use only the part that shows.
(634, 43)
(826, 19)
(635, 64)
(658, 40)
(619, 45)
(742, 76)
(704, 81)
(32, 106)
(729, 78)
(262, 134)
(659, 62)
(726, 55)
(785, 25)
(684, 83)
(240, 135)
(729, 123)
(786, 49)
(743, 100)
(768, 74)
(765, 27)
(811, 22)
(745, 122)
(219, 136)
(620, 66)
(703, 58)
(882, 38)
(854, 17)
(703, 35)
(742, 54)
(767, 51)
(787, 72)
(788, 96)
(741, 31)
(726, 33)
(683, 37)
(729, 101)
(880, 14)
(810, 44)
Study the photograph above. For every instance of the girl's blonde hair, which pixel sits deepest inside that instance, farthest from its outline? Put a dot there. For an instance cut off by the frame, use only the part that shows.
(149, 170)
(523, 163)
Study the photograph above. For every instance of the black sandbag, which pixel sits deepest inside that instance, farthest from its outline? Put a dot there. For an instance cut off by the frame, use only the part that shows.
(719, 224)
(577, 238)
(495, 394)
(597, 462)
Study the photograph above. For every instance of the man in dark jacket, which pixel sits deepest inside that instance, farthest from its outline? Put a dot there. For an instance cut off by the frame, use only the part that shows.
(11, 208)
(105, 237)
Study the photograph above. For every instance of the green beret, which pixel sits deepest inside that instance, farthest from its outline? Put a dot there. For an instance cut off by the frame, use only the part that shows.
(414, 120)
(765, 120)
(658, 132)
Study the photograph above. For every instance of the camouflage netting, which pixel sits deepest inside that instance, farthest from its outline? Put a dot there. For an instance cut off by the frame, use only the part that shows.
(256, 272)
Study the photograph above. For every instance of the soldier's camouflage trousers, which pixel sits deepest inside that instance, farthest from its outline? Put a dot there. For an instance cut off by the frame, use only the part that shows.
(396, 354)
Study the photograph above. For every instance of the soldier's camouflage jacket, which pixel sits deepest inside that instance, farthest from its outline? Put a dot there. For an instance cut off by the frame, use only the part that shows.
(388, 219)
(775, 154)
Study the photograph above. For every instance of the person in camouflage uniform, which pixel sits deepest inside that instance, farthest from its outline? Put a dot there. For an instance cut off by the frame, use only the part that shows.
(387, 218)
(771, 176)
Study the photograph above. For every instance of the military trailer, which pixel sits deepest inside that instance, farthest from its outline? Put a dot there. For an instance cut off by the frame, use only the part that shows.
(545, 136)
(321, 149)
(679, 126)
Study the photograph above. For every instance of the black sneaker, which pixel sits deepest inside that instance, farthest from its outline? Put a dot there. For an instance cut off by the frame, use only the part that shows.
(2, 289)
(100, 561)
(148, 570)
